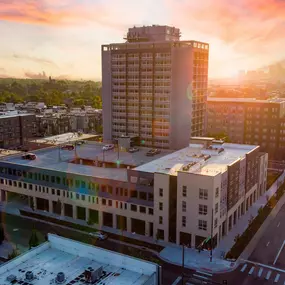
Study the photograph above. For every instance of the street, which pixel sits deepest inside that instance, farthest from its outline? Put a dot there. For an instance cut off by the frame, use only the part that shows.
(18, 231)
(266, 265)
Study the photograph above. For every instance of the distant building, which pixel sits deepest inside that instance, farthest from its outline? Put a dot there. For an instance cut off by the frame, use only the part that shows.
(16, 129)
(249, 121)
(57, 121)
(65, 261)
(154, 86)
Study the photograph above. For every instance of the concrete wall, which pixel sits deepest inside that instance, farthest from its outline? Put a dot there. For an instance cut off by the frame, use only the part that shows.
(194, 182)
(107, 95)
(181, 103)
(161, 181)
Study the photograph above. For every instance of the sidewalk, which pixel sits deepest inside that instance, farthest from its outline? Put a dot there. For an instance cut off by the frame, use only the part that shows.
(195, 260)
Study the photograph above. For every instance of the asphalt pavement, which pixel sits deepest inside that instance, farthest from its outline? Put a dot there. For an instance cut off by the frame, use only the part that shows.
(270, 244)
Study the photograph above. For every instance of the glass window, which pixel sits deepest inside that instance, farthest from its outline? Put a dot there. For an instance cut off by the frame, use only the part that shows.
(52, 179)
(160, 192)
(183, 221)
(160, 220)
(203, 194)
(133, 207)
(216, 223)
(142, 209)
(184, 191)
(217, 192)
(58, 180)
(104, 202)
(58, 192)
(134, 193)
(52, 191)
(143, 195)
(110, 203)
(150, 211)
(83, 184)
(83, 197)
(202, 225)
(203, 209)
(184, 206)
(216, 208)
(160, 206)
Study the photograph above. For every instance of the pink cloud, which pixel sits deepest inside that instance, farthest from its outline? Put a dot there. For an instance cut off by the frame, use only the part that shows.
(248, 25)
(54, 13)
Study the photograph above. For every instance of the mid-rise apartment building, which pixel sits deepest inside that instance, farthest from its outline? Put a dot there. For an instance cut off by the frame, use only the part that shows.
(16, 129)
(249, 121)
(154, 86)
(180, 197)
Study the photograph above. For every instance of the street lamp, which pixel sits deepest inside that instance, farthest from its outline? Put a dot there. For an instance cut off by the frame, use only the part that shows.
(183, 257)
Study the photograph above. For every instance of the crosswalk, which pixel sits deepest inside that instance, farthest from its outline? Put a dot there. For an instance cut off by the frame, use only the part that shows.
(259, 272)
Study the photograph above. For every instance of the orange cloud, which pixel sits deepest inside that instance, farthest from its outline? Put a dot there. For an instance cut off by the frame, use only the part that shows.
(248, 25)
(54, 12)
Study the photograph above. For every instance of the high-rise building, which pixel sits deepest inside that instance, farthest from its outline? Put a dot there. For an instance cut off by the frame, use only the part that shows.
(249, 121)
(155, 87)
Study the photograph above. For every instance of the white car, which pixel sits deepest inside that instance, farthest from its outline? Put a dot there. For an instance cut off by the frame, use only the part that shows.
(99, 235)
(108, 147)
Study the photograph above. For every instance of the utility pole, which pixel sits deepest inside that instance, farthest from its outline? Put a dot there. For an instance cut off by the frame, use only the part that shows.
(183, 249)
(211, 252)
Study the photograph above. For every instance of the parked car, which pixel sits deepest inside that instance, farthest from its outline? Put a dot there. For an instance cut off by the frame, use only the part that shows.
(133, 149)
(99, 235)
(29, 156)
(108, 147)
(80, 142)
(68, 147)
(153, 152)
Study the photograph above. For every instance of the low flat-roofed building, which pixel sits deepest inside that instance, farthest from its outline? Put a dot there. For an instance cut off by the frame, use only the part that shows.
(176, 196)
(64, 261)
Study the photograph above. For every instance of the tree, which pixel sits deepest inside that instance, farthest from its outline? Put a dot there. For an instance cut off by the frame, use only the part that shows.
(2, 234)
(14, 253)
(34, 240)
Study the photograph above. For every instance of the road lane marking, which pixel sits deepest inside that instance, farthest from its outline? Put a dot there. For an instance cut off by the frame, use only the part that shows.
(200, 276)
(205, 273)
(264, 265)
(177, 280)
(243, 268)
(277, 278)
(279, 252)
(251, 270)
(278, 225)
(260, 272)
(268, 275)
(268, 243)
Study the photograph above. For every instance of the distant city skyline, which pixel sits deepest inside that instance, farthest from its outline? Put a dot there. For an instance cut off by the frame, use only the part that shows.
(64, 38)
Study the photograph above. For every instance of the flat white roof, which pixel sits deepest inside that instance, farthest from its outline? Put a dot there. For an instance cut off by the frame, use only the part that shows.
(63, 138)
(73, 258)
(195, 154)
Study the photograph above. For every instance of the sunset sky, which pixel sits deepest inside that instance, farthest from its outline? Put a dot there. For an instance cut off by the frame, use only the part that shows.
(63, 37)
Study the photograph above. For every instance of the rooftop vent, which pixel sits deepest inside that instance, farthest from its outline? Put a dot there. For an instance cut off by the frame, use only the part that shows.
(29, 275)
(93, 275)
(188, 166)
(60, 278)
(11, 278)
